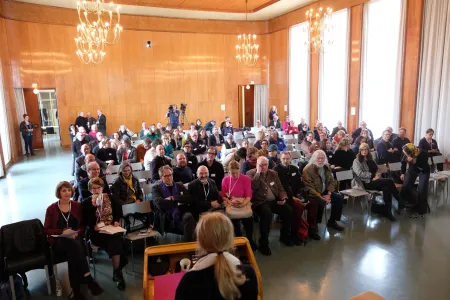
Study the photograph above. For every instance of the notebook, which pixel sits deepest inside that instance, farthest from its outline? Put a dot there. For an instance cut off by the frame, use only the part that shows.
(166, 286)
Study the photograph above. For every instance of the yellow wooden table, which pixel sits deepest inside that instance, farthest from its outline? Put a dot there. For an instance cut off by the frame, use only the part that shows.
(185, 250)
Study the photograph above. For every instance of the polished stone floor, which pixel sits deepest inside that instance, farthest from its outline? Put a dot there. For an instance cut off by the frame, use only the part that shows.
(408, 259)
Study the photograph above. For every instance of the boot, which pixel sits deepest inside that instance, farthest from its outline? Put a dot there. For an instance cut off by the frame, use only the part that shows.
(118, 278)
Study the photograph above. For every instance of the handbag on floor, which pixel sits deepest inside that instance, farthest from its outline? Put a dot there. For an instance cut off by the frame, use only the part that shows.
(239, 212)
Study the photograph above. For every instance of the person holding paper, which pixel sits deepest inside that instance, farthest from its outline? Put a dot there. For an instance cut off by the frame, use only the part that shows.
(63, 223)
(99, 211)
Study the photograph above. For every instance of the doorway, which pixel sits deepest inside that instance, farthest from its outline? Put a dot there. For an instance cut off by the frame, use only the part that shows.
(48, 108)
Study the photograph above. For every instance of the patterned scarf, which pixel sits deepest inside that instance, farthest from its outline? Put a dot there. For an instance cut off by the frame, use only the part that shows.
(131, 192)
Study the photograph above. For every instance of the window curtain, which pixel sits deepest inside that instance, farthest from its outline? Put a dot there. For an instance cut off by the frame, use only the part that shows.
(21, 109)
(261, 104)
(382, 64)
(333, 74)
(298, 73)
(4, 129)
(433, 100)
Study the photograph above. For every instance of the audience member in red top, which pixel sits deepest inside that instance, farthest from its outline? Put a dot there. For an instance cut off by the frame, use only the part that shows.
(286, 124)
(93, 131)
(141, 149)
(292, 129)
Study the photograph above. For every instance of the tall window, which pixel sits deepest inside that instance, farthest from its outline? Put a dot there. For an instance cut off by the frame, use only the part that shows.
(4, 124)
(382, 62)
(333, 73)
(298, 73)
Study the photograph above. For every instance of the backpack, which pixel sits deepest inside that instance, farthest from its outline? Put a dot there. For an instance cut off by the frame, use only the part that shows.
(6, 292)
(302, 232)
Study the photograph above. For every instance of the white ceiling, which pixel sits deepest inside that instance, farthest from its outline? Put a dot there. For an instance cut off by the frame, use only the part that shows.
(267, 13)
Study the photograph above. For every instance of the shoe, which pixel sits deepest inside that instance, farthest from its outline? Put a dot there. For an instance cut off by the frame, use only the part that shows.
(416, 216)
(95, 288)
(390, 217)
(118, 278)
(312, 233)
(286, 241)
(296, 241)
(253, 245)
(76, 296)
(335, 225)
(265, 250)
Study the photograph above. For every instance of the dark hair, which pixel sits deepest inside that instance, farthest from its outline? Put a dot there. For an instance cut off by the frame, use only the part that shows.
(24, 115)
(213, 148)
(264, 140)
(429, 130)
(127, 141)
(361, 158)
(251, 151)
(96, 181)
(156, 142)
(187, 143)
(241, 153)
(60, 186)
(147, 142)
(323, 145)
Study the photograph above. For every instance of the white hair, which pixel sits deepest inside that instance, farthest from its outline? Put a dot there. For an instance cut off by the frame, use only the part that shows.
(313, 159)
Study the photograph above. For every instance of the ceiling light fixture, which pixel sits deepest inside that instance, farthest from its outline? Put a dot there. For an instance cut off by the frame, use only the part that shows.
(247, 48)
(35, 89)
(317, 24)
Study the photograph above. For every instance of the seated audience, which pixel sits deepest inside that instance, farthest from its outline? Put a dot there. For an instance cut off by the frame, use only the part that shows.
(81, 160)
(275, 123)
(325, 146)
(215, 168)
(203, 136)
(339, 136)
(210, 125)
(192, 160)
(229, 146)
(319, 189)
(291, 129)
(385, 151)
(218, 274)
(259, 127)
(417, 159)
(400, 141)
(269, 197)
(93, 131)
(181, 172)
(237, 156)
(168, 149)
(338, 128)
(151, 154)
(126, 188)
(142, 149)
(93, 171)
(177, 140)
(66, 217)
(244, 144)
(172, 201)
(115, 142)
(278, 141)
(286, 124)
(273, 156)
(159, 161)
(126, 152)
(358, 132)
(81, 172)
(198, 147)
(264, 144)
(72, 132)
(429, 145)
(96, 144)
(237, 192)
(366, 170)
(320, 132)
(367, 134)
(125, 132)
(227, 129)
(303, 126)
(160, 129)
(99, 211)
(343, 157)
(215, 139)
(260, 136)
(204, 193)
(143, 131)
(358, 142)
(106, 153)
(250, 162)
(198, 124)
(153, 133)
(224, 124)
(80, 140)
(307, 146)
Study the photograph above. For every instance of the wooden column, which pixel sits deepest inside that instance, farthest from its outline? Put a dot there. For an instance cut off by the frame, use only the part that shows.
(314, 90)
(413, 35)
(354, 75)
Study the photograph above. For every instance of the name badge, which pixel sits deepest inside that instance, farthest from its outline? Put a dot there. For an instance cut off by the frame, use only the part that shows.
(195, 149)
(213, 175)
(181, 193)
(189, 162)
(272, 183)
(293, 174)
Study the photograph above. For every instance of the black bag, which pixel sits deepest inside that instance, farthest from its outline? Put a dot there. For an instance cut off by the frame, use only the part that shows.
(158, 265)
(6, 291)
(135, 222)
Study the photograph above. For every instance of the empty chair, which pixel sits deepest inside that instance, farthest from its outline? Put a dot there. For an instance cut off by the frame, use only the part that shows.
(136, 166)
(111, 178)
(114, 169)
(143, 175)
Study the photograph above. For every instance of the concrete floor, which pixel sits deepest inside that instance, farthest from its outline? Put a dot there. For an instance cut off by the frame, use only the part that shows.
(407, 259)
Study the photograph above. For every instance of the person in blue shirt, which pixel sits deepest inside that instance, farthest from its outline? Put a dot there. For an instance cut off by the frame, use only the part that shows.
(275, 140)
(174, 116)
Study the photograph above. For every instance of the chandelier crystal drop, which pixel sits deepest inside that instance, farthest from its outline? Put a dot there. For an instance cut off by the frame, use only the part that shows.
(317, 24)
(247, 47)
(96, 29)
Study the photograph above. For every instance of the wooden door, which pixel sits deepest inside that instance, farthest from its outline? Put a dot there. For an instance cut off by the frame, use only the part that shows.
(246, 106)
(32, 107)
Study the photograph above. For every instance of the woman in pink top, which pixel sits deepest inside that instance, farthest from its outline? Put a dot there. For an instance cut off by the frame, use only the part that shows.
(237, 185)
(286, 124)
(93, 131)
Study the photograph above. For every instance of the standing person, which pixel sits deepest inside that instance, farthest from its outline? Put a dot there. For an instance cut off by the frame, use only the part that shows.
(65, 217)
(101, 122)
(428, 144)
(417, 159)
(210, 125)
(26, 127)
(174, 116)
(338, 128)
(218, 274)
(81, 121)
(90, 121)
(273, 111)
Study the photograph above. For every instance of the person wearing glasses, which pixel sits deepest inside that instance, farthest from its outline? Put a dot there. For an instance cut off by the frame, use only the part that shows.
(215, 168)
(172, 201)
(192, 160)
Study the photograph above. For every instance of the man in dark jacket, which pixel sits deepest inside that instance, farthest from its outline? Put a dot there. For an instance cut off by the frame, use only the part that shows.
(204, 193)
(192, 160)
(215, 139)
(90, 121)
(181, 172)
(93, 170)
(338, 128)
(81, 121)
(275, 122)
(215, 168)
(357, 132)
(172, 201)
(400, 141)
(159, 161)
(101, 122)
(198, 147)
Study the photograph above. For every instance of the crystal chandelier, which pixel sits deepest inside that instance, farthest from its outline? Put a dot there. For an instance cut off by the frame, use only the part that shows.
(317, 24)
(247, 48)
(92, 36)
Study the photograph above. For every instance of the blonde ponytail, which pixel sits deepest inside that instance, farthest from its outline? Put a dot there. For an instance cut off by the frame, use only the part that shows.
(228, 278)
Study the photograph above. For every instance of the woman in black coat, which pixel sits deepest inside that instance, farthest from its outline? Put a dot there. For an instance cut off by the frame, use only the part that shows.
(26, 128)
(126, 188)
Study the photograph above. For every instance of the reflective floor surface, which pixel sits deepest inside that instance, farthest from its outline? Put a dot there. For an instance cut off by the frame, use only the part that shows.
(408, 259)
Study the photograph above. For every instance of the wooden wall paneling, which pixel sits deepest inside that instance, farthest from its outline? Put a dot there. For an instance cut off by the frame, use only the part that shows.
(231, 81)
(413, 36)
(314, 90)
(217, 63)
(190, 72)
(176, 71)
(161, 55)
(278, 71)
(354, 80)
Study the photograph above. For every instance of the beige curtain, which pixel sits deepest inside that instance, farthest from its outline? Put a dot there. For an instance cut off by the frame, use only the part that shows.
(261, 104)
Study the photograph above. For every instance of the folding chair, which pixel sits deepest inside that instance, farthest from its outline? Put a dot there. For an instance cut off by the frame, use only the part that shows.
(395, 167)
(136, 166)
(111, 178)
(143, 175)
(114, 169)
(295, 154)
(146, 189)
(351, 193)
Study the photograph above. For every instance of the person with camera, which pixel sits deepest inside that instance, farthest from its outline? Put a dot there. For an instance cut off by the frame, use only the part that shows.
(174, 116)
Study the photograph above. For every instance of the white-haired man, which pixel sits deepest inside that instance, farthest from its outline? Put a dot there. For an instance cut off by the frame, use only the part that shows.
(204, 193)
(319, 188)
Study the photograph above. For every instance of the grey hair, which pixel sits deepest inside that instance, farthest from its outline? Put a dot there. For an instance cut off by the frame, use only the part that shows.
(313, 159)
(123, 165)
(262, 158)
(91, 164)
(161, 170)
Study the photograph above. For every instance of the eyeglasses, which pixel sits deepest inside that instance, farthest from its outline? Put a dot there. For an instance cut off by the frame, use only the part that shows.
(212, 153)
(166, 176)
(187, 146)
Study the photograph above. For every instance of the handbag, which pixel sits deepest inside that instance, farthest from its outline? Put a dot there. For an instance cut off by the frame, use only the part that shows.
(239, 212)
(135, 222)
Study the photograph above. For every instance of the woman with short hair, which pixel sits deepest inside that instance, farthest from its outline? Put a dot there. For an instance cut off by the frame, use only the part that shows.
(217, 274)
(126, 152)
(93, 131)
(106, 153)
(65, 217)
(27, 128)
(99, 211)
(126, 188)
